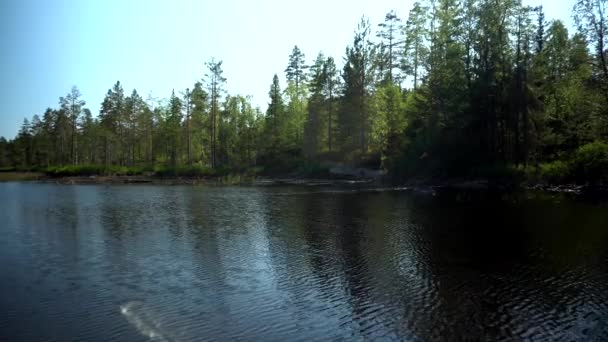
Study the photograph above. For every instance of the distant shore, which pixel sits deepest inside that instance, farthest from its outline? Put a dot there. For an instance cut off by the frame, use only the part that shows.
(419, 185)
(216, 180)
(182, 180)
(15, 176)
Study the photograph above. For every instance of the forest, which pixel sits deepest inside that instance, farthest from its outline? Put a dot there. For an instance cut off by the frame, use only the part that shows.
(456, 88)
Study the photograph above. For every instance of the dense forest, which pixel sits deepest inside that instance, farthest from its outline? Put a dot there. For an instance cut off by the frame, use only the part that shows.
(455, 88)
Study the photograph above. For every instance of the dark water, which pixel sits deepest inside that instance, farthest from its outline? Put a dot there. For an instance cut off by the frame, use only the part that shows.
(137, 263)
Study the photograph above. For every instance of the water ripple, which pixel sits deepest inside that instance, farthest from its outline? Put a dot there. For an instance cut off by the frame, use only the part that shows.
(104, 263)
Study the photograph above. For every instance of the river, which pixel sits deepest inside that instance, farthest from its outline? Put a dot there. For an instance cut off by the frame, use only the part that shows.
(179, 263)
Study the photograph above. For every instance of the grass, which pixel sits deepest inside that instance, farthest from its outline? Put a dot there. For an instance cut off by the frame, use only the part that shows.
(94, 170)
(222, 175)
(187, 171)
(194, 171)
(19, 176)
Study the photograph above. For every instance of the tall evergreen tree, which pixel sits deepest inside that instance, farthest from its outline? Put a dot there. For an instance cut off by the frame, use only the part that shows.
(313, 129)
(215, 81)
(72, 106)
(187, 100)
(274, 116)
(174, 120)
(415, 51)
(201, 123)
(390, 34)
(110, 117)
(296, 68)
(330, 90)
(358, 76)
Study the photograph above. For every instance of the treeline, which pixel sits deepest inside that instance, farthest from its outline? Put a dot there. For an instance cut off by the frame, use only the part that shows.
(456, 88)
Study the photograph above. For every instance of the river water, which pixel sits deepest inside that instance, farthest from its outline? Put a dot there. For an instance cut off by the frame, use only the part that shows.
(172, 263)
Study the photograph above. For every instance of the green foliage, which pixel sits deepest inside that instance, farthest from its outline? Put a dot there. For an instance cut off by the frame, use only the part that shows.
(391, 46)
(281, 162)
(275, 119)
(215, 81)
(415, 50)
(358, 76)
(18, 176)
(590, 162)
(296, 68)
(193, 171)
(186, 171)
(554, 172)
(313, 169)
(91, 170)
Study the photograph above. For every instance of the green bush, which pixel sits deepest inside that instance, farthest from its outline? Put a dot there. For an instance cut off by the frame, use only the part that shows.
(590, 163)
(186, 171)
(92, 170)
(159, 171)
(313, 170)
(557, 171)
(255, 170)
(281, 162)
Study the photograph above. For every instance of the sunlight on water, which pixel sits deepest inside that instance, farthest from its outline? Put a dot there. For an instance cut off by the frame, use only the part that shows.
(145, 321)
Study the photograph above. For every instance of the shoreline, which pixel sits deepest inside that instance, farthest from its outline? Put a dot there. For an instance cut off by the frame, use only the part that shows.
(183, 180)
(424, 185)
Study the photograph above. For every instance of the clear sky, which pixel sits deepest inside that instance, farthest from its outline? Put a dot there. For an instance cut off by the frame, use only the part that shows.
(156, 46)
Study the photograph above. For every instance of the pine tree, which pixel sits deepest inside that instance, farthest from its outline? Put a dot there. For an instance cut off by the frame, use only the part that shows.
(110, 117)
(358, 76)
(133, 107)
(390, 34)
(313, 129)
(415, 51)
(201, 125)
(72, 106)
(187, 100)
(296, 68)
(330, 89)
(174, 120)
(274, 117)
(541, 24)
(215, 81)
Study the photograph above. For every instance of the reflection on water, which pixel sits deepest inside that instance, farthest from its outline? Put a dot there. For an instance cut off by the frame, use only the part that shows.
(139, 263)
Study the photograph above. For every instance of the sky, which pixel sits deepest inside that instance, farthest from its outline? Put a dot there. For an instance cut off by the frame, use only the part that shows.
(157, 46)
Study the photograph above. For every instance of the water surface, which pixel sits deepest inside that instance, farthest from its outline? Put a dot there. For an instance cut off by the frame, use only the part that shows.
(162, 263)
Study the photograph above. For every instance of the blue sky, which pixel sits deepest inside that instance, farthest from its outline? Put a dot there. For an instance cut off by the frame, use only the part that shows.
(156, 46)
